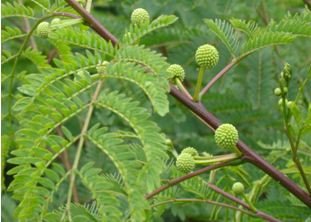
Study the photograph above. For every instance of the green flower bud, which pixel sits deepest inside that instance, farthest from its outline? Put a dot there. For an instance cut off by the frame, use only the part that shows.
(101, 68)
(290, 104)
(140, 17)
(43, 29)
(185, 163)
(176, 71)
(190, 150)
(238, 188)
(226, 136)
(55, 21)
(207, 56)
(287, 71)
(277, 91)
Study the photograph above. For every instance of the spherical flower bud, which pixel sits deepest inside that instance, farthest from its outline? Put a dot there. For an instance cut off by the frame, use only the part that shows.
(287, 71)
(176, 71)
(55, 21)
(43, 29)
(207, 56)
(102, 67)
(277, 91)
(238, 188)
(190, 150)
(185, 162)
(226, 136)
(140, 17)
(290, 104)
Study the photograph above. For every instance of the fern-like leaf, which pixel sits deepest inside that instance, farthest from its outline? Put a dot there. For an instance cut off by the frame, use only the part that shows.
(299, 25)
(16, 10)
(77, 212)
(148, 133)
(265, 39)
(135, 32)
(128, 166)
(84, 39)
(105, 193)
(10, 33)
(225, 32)
(248, 27)
(155, 87)
(36, 57)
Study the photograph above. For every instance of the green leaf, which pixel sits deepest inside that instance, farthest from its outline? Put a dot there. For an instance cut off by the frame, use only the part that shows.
(135, 32)
(10, 33)
(15, 10)
(148, 133)
(155, 87)
(224, 31)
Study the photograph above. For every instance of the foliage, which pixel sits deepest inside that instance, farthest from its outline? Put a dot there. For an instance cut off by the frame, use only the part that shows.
(89, 128)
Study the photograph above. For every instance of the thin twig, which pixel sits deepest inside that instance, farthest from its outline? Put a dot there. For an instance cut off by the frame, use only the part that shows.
(27, 29)
(242, 203)
(185, 200)
(93, 23)
(218, 76)
(80, 146)
(65, 160)
(294, 148)
(186, 177)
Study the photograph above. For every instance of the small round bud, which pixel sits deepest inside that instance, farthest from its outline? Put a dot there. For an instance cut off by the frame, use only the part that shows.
(190, 150)
(238, 188)
(290, 104)
(55, 21)
(102, 67)
(207, 56)
(287, 71)
(43, 29)
(277, 91)
(185, 163)
(140, 17)
(176, 71)
(226, 136)
(285, 90)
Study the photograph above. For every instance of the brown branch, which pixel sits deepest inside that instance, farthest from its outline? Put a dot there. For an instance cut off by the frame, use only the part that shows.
(249, 154)
(199, 110)
(93, 23)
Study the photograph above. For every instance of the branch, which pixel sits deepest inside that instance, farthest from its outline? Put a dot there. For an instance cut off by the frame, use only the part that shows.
(258, 213)
(93, 23)
(218, 76)
(79, 149)
(199, 110)
(186, 177)
(249, 154)
(64, 157)
(191, 200)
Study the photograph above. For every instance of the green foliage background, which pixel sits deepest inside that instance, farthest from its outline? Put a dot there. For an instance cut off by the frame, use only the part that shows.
(244, 98)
